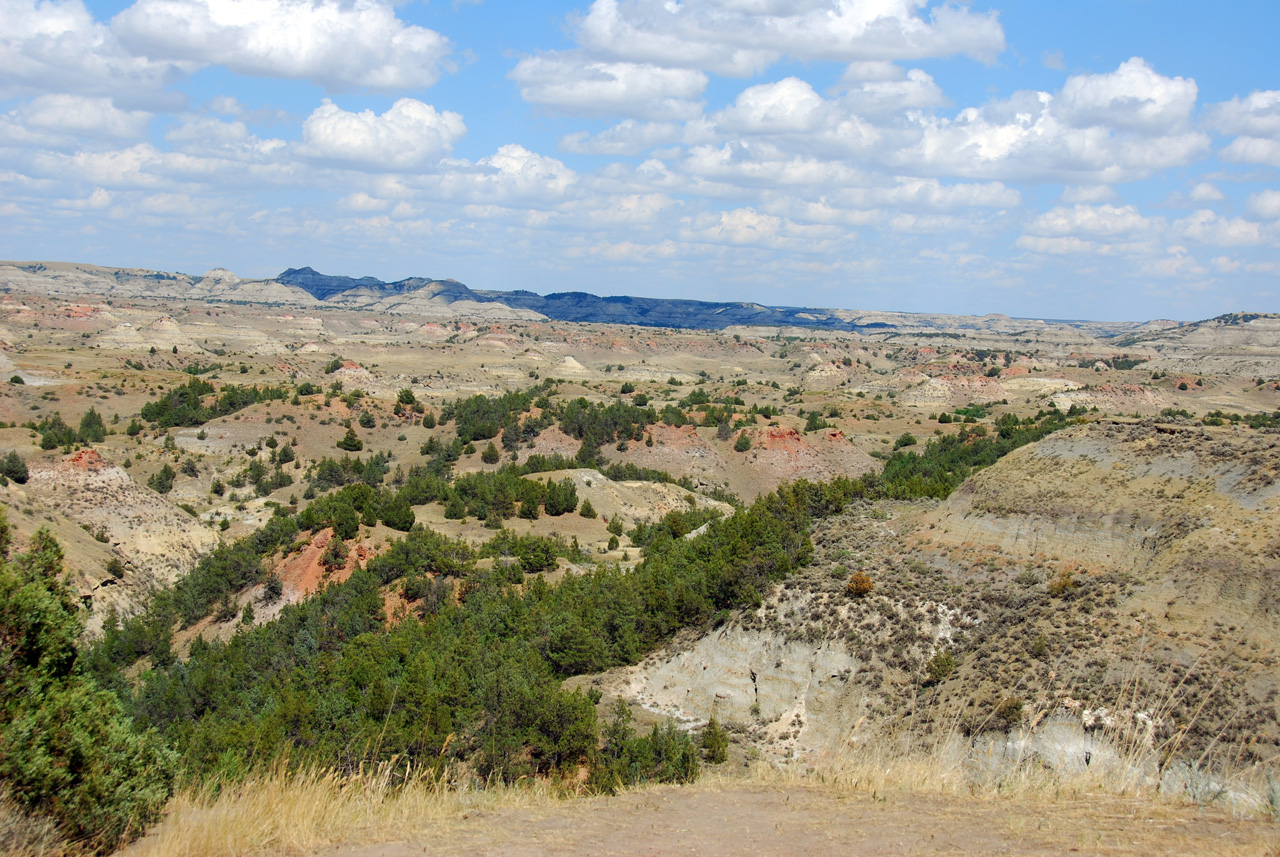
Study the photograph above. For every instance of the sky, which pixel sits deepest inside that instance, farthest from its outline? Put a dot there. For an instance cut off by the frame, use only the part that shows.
(1113, 160)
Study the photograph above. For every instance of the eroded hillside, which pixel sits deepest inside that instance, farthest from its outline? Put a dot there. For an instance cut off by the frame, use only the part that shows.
(1113, 573)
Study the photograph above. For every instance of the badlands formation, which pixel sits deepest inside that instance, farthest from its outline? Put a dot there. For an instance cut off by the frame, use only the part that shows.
(1118, 574)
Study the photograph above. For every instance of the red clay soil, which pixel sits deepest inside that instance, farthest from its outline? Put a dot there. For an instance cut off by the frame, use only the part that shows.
(302, 573)
(86, 459)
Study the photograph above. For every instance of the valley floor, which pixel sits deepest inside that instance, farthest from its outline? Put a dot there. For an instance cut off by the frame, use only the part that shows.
(726, 818)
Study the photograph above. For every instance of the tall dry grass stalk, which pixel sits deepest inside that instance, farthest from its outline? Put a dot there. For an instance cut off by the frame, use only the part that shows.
(298, 812)
(24, 835)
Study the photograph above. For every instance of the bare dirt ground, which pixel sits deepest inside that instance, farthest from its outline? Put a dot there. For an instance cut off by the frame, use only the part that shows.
(714, 819)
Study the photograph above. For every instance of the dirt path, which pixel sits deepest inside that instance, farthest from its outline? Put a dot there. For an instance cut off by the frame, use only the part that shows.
(762, 820)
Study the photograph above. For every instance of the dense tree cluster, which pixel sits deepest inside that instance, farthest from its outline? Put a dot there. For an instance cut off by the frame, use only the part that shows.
(68, 751)
(185, 405)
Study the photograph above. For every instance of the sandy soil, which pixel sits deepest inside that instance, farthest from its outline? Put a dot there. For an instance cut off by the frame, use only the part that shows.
(709, 820)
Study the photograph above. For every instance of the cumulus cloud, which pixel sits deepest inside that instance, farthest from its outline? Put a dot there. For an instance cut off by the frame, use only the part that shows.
(1206, 227)
(628, 137)
(512, 173)
(1030, 136)
(1124, 230)
(56, 46)
(629, 208)
(408, 135)
(916, 90)
(361, 201)
(1252, 150)
(1038, 136)
(1056, 246)
(339, 45)
(210, 136)
(1132, 98)
(934, 195)
(789, 106)
(1266, 204)
(870, 70)
(1255, 115)
(739, 226)
(575, 83)
(1206, 192)
(1095, 221)
(54, 120)
(735, 38)
(1255, 120)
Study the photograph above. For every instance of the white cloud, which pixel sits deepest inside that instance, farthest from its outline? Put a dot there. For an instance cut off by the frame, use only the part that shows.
(628, 137)
(1055, 246)
(751, 164)
(99, 200)
(226, 105)
(915, 91)
(134, 167)
(731, 37)
(1025, 138)
(1266, 204)
(789, 106)
(1178, 263)
(212, 137)
(1132, 98)
(739, 226)
(575, 83)
(408, 135)
(932, 194)
(511, 174)
(1255, 115)
(1255, 119)
(361, 201)
(1206, 192)
(339, 45)
(870, 70)
(1252, 150)
(1206, 227)
(631, 209)
(60, 121)
(57, 46)
(1109, 222)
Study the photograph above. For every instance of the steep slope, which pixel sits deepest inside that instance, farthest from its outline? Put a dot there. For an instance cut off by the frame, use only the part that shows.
(1115, 576)
(99, 513)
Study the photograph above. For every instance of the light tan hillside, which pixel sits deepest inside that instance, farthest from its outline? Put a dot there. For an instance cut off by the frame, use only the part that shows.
(155, 541)
(1113, 576)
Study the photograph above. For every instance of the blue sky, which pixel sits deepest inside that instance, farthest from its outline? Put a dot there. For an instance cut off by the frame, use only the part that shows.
(1114, 160)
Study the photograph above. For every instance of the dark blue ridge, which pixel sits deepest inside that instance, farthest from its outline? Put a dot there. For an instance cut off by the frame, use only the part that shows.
(586, 307)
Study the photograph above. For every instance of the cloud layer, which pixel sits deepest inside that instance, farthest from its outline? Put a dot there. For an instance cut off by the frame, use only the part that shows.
(706, 144)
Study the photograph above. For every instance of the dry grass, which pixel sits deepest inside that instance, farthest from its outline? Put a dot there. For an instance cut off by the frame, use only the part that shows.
(289, 812)
(299, 812)
(23, 835)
